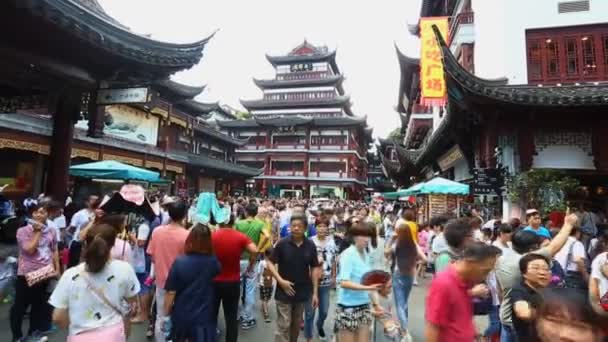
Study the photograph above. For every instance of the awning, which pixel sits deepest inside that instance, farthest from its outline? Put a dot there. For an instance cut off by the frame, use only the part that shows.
(110, 169)
(437, 185)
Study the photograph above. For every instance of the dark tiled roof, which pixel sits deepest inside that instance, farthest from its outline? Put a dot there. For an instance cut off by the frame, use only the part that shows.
(209, 131)
(404, 169)
(195, 107)
(409, 68)
(85, 21)
(220, 165)
(294, 121)
(173, 90)
(340, 101)
(463, 84)
(284, 121)
(278, 60)
(334, 80)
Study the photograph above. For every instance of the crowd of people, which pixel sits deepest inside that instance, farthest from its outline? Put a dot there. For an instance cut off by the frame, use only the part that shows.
(96, 273)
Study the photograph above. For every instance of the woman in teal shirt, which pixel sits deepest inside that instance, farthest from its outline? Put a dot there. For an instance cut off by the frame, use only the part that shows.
(353, 312)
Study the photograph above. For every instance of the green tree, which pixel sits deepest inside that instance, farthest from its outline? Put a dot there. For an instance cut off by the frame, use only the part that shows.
(243, 115)
(543, 189)
(396, 135)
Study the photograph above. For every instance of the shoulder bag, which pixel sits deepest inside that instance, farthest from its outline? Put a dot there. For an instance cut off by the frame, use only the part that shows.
(574, 279)
(99, 294)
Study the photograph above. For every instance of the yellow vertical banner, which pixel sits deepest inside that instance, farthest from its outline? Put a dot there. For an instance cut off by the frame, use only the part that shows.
(432, 80)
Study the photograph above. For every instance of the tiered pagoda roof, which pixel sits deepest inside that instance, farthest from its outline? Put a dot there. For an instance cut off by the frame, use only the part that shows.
(172, 90)
(409, 80)
(432, 8)
(338, 101)
(462, 84)
(334, 80)
(403, 170)
(103, 42)
(294, 121)
(306, 53)
(470, 97)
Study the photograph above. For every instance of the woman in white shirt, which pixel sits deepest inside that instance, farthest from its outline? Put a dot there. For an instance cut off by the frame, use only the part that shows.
(96, 297)
(598, 281)
(572, 258)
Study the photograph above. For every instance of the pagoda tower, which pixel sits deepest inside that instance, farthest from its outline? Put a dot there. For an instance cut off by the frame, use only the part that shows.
(303, 132)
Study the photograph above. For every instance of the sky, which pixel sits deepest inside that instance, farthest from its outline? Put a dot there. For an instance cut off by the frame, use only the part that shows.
(363, 32)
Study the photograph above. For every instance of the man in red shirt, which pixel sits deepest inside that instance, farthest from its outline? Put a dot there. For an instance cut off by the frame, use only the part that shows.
(228, 245)
(449, 305)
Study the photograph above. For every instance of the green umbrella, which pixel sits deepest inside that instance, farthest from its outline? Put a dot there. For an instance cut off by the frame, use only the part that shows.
(110, 169)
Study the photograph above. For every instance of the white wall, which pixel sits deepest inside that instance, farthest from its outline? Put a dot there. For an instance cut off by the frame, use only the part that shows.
(552, 157)
(500, 32)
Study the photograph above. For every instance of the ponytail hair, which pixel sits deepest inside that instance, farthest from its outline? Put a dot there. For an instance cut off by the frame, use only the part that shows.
(99, 241)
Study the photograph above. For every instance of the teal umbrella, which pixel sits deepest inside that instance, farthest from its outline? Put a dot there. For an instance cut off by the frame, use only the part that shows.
(395, 195)
(110, 169)
(438, 185)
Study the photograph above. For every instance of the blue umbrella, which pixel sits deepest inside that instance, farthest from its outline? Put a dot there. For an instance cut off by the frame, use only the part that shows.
(110, 169)
(438, 185)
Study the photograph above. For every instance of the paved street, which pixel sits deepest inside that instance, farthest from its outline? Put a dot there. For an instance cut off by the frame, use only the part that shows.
(264, 331)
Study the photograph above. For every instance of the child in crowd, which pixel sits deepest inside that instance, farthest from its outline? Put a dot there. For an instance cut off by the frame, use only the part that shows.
(266, 284)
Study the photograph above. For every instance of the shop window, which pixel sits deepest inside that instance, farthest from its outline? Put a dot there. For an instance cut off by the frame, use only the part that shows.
(568, 54)
(572, 56)
(605, 44)
(534, 60)
(589, 62)
(552, 58)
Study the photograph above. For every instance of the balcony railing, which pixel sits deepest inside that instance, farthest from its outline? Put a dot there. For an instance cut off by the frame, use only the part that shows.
(287, 173)
(460, 19)
(419, 109)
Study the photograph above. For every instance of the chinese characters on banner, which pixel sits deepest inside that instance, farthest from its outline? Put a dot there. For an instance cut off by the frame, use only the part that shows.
(432, 80)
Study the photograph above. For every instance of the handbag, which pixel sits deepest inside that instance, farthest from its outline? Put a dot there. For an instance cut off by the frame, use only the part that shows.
(36, 277)
(99, 294)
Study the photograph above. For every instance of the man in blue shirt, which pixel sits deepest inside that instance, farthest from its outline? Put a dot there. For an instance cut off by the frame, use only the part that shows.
(534, 220)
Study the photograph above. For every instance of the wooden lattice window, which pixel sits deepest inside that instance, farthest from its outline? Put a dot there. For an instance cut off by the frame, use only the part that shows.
(568, 54)
(572, 56)
(552, 57)
(589, 62)
(534, 60)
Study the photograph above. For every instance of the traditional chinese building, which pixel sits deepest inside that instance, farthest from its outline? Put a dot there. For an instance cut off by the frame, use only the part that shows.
(52, 115)
(541, 110)
(303, 132)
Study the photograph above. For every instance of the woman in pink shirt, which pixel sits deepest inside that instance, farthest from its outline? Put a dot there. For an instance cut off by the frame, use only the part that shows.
(423, 242)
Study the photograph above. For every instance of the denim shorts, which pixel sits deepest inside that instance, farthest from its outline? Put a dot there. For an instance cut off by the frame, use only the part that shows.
(143, 288)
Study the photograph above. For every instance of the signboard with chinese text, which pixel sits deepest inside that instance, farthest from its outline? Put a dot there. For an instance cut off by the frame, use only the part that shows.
(122, 96)
(486, 182)
(432, 80)
(128, 123)
(450, 158)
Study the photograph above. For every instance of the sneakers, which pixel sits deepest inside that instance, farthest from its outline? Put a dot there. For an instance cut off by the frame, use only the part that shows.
(407, 337)
(322, 335)
(248, 324)
(267, 318)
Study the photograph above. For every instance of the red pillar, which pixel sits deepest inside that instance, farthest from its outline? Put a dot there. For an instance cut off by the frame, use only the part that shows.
(66, 113)
(96, 117)
(268, 132)
(525, 140)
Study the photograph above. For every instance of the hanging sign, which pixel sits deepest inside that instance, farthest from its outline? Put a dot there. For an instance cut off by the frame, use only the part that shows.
(122, 96)
(486, 182)
(432, 80)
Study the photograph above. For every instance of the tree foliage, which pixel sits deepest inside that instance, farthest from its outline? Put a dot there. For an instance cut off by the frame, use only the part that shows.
(543, 189)
(396, 135)
(243, 115)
